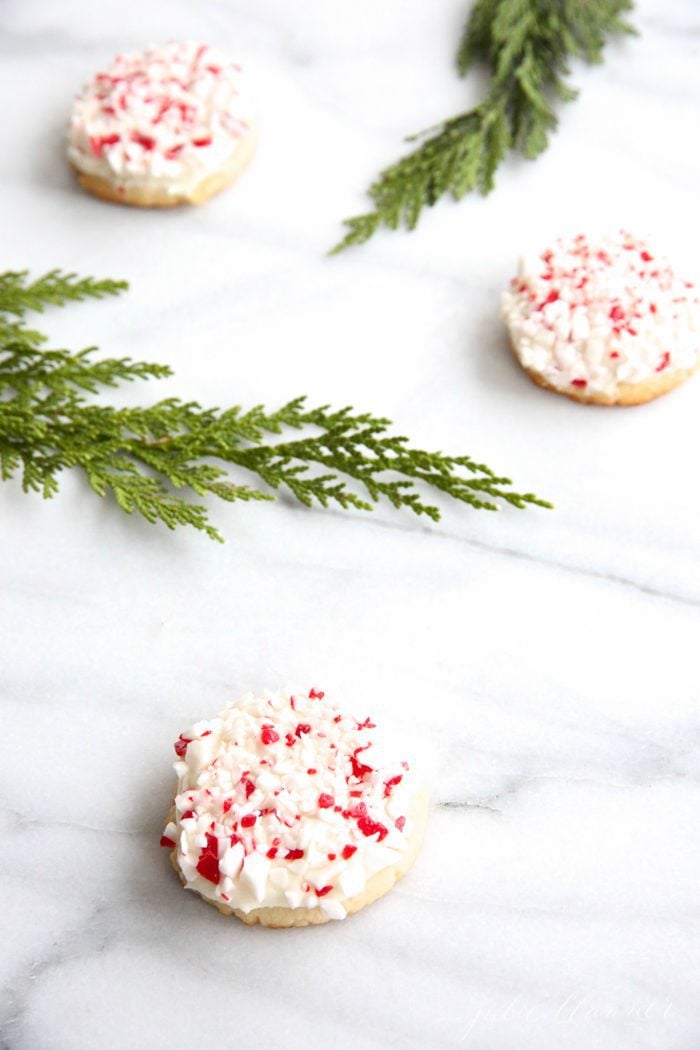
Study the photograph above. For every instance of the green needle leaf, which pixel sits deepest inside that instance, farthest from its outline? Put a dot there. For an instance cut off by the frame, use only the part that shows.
(526, 45)
(151, 459)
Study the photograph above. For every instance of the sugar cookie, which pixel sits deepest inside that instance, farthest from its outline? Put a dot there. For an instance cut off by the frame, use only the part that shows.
(166, 126)
(605, 322)
(290, 812)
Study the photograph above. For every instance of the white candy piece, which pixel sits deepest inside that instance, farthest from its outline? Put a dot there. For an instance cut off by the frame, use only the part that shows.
(232, 861)
(254, 875)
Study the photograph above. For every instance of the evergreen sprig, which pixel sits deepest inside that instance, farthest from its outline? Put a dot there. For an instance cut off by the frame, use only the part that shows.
(527, 46)
(147, 457)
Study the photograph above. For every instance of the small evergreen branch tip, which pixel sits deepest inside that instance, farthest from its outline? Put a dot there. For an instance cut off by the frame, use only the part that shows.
(526, 46)
(18, 295)
(153, 459)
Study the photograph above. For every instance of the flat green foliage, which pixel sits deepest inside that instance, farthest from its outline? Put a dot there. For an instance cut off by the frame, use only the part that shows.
(526, 46)
(152, 459)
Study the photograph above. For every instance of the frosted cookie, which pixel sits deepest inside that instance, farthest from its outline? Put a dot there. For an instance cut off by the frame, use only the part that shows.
(290, 812)
(606, 322)
(169, 125)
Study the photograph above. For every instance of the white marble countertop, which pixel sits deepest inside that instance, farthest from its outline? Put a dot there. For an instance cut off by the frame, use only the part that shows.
(542, 666)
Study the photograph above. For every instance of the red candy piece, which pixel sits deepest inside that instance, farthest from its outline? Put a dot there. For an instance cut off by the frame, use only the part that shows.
(325, 801)
(314, 695)
(269, 735)
(166, 842)
(372, 827)
(208, 863)
(248, 820)
(391, 783)
(359, 769)
(98, 143)
(180, 746)
(147, 141)
(294, 854)
(400, 823)
(323, 891)
(348, 852)
(303, 727)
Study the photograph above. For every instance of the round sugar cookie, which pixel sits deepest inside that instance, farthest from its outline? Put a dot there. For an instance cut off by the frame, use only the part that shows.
(170, 125)
(290, 812)
(605, 322)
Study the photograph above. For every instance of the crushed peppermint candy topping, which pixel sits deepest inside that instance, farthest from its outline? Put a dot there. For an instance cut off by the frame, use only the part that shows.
(593, 315)
(254, 828)
(171, 113)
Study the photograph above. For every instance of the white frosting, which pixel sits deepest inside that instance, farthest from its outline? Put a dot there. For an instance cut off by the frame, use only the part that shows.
(590, 316)
(284, 801)
(167, 117)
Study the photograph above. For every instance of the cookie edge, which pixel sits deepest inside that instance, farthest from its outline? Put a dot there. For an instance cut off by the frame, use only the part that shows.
(626, 395)
(377, 885)
(140, 197)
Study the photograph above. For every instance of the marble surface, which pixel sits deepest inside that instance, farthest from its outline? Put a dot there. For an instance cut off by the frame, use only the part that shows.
(541, 666)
